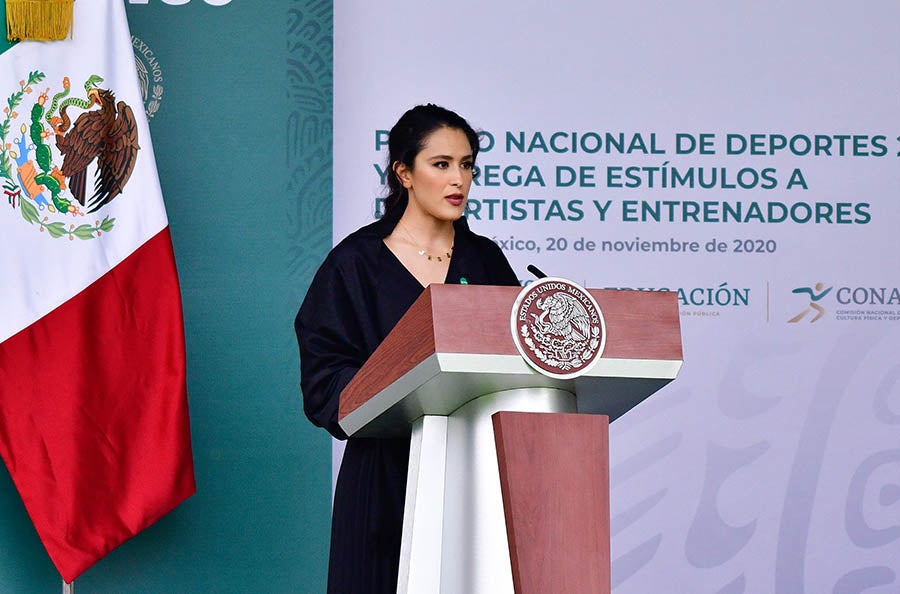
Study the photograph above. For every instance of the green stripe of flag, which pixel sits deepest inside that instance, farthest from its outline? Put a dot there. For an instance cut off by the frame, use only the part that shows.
(4, 44)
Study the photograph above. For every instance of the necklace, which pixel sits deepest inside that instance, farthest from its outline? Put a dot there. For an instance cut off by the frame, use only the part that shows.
(423, 252)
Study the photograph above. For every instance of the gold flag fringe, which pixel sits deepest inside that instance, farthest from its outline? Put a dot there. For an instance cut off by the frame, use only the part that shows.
(39, 20)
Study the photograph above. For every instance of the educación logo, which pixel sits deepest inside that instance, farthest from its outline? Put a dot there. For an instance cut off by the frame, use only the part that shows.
(46, 160)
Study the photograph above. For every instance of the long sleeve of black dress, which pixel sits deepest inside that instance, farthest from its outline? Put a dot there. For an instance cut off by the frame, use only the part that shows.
(332, 345)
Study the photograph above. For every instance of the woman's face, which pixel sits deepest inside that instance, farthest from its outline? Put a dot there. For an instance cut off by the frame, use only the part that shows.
(441, 176)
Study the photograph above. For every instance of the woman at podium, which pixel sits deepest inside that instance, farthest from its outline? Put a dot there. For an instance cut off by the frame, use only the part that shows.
(360, 292)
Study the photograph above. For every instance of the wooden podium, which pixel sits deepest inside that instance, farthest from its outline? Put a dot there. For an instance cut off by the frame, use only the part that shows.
(501, 498)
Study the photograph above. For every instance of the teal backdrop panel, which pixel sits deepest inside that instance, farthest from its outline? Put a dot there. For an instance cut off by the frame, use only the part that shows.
(240, 99)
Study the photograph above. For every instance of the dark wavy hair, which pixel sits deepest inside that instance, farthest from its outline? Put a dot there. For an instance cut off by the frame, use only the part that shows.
(407, 138)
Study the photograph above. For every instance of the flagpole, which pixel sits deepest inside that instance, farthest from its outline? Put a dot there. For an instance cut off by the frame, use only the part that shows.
(68, 588)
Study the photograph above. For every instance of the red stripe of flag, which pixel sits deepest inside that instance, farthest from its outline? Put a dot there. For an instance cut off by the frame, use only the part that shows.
(93, 410)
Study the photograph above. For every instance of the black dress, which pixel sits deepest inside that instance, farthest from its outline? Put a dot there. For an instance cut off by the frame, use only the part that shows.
(360, 292)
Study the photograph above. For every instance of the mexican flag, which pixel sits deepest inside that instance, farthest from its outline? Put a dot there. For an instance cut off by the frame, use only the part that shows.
(93, 408)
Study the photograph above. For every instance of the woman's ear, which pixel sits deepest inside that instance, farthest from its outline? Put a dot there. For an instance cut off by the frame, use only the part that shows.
(403, 174)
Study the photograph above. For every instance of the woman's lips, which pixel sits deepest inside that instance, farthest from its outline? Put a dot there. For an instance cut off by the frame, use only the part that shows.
(454, 199)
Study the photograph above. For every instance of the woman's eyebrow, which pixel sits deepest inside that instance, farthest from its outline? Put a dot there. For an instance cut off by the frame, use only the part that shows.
(449, 157)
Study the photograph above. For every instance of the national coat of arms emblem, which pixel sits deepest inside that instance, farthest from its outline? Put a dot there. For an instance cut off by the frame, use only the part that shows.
(46, 163)
(558, 328)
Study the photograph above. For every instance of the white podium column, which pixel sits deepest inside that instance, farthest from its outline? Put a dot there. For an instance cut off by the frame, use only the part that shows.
(454, 531)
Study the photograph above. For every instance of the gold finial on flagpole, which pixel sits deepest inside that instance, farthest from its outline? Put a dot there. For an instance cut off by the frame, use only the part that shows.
(39, 20)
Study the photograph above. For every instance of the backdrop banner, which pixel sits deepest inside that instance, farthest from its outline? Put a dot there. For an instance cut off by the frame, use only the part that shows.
(745, 156)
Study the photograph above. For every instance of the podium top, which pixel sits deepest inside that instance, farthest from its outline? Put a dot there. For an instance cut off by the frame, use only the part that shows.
(454, 344)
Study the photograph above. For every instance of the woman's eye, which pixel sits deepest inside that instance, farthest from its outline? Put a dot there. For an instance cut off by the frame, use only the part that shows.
(441, 164)
(468, 165)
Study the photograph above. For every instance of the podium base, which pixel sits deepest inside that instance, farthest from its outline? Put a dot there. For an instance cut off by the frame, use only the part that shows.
(454, 531)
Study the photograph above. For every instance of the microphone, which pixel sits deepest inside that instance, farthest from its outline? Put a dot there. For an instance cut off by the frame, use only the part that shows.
(536, 271)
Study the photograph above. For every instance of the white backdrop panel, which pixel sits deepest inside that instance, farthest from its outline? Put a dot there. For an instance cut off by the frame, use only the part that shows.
(773, 463)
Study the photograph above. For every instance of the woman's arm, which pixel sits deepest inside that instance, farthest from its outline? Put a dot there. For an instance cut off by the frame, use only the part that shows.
(329, 334)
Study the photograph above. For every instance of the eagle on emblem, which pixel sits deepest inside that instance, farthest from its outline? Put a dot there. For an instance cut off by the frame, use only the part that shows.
(567, 317)
(109, 135)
